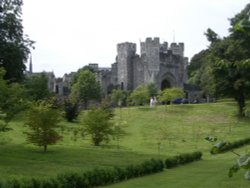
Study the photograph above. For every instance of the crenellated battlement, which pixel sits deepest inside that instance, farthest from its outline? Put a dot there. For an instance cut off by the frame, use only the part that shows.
(156, 63)
(149, 44)
(126, 47)
(177, 49)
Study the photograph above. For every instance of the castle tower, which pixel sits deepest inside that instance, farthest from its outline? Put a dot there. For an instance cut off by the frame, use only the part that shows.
(177, 49)
(125, 54)
(150, 52)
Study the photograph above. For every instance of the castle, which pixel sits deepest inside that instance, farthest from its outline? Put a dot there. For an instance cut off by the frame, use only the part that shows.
(159, 63)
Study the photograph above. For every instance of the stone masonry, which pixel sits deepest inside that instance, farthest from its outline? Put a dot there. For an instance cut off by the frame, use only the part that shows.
(158, 63)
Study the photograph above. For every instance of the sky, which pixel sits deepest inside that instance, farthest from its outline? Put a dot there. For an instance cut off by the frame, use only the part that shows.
(71, 34)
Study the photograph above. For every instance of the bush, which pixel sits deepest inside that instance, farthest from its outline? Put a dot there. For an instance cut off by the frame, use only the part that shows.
(226, 146)
(101, 177)
(93, 178)
(182, 159)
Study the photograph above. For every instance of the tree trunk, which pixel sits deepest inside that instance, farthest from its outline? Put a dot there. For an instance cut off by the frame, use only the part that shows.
(45, 148)
(241, 104)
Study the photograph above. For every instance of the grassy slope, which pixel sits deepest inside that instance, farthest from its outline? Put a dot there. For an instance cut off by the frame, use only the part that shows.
(179, 129)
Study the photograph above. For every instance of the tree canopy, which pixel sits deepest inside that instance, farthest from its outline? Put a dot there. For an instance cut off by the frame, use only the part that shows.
(170, 94)
(98, 125)
(14, 45)
(86, 88)
(42, 121)
(140, 96)
(226, 62)
(37, 87)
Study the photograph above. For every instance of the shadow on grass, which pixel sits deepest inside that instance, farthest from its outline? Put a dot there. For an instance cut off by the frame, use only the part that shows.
(243, 119)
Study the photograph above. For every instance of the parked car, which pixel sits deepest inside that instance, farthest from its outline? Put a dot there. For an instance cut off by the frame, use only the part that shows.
(180, 101)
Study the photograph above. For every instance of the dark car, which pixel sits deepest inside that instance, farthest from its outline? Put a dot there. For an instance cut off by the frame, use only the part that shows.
(180, 101)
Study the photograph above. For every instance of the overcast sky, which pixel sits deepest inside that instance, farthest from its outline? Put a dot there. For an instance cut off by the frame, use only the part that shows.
(70, 34)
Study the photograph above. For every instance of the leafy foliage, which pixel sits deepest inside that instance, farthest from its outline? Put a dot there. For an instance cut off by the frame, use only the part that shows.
(97, 124)
(153, 90)
(233, 81)
(139, 96)
(242, 163)
(223, 146)
(14, 46)
(182, 159)
(71, 110)
(43, 121)
(118, 97)
(12, 100)
(224, 67)
(86, 88)
(93, 178)
(170, 94)
(37, 87)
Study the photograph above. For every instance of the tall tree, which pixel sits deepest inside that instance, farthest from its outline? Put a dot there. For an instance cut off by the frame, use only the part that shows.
(232, 56)
(37, 87)
(86, 88)
(228, 60)
(14, 45)
(12, 100)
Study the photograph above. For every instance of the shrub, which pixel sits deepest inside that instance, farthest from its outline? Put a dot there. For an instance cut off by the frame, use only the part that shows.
(226, 146)
(182, 159)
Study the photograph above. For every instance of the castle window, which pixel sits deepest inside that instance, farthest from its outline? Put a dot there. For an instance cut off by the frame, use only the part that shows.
(122, 86)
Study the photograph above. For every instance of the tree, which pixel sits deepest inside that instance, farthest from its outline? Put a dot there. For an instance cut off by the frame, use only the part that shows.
(71, 110)
(85, 68)
(118, 97)
(232, 64)
(86, 88)
(37, 87)
(43, 121)
(97, 124)
(170, 94)
(12, 100)
(224, 68)
(140, 95)
(153, 90)
(211, 35)
(14, 46)
(233, 80)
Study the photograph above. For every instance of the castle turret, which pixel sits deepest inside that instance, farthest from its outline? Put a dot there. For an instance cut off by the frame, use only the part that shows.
(150, 50)
(177, 49)
(125, 54)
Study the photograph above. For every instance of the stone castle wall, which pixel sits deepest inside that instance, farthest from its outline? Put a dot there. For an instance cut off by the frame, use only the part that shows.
(157, 63)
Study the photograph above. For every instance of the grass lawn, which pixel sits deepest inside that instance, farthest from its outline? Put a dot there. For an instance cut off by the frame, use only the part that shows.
(209, 172)
(159, 132)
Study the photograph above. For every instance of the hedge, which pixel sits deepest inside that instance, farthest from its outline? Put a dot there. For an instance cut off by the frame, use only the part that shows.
(100, 177)
(96, 177)
(226, 146)
(182, 159)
